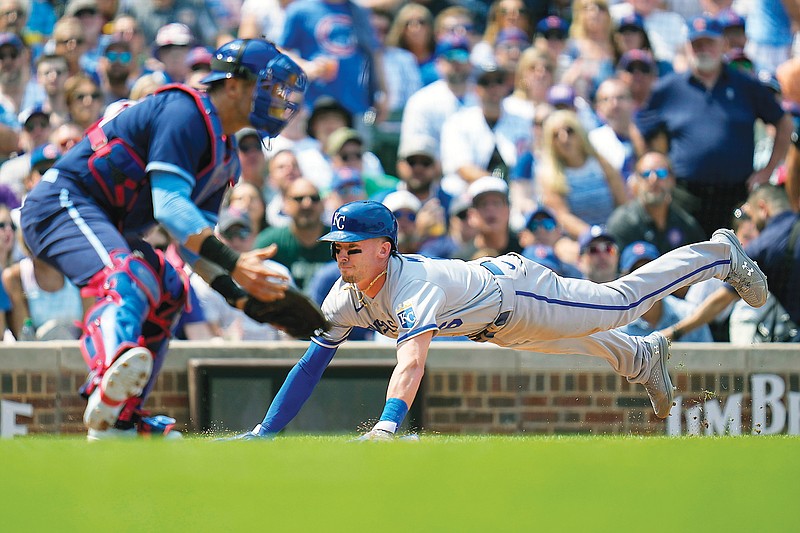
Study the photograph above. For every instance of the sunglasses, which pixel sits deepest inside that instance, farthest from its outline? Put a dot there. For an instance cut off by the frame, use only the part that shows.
(4, 225)
(660, 173)
(416, 22)
(32, 124)
(554, 35)
(491, 82)
(73, 40)
(405, 213)
(119, 57)
(246, 148)
(547, 224)
(85, 13)
(600, 248)
(314, 198)
(462, 215)
(351, 156)
(419, 162)
(639, 69)
(513, 11)
(93, 96)
(11, 54)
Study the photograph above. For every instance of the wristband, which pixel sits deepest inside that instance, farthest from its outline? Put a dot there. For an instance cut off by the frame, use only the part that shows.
(228, 288)
(393, 414)
(216, 252)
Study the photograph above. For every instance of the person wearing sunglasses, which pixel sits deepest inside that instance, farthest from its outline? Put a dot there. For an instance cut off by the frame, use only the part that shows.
(405, 207)
(13, 78)
(345, 149)
(117, 71)
(168, 159)
(599, 255)
(652, 216)
(48, 87)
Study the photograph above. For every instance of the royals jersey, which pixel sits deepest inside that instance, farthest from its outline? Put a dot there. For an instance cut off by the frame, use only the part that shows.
(447, 296)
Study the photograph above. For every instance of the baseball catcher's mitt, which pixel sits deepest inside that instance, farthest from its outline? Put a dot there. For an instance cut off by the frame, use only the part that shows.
(296, 314)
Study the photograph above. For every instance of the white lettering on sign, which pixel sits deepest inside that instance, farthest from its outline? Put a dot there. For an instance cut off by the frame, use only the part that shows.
(8, 418)
(769, 413)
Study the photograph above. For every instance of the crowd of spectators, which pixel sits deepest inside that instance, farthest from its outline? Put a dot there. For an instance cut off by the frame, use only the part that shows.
(589, 136)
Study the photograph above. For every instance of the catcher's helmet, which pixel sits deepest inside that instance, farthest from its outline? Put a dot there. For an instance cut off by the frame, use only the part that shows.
(275, 74)
(362, 220)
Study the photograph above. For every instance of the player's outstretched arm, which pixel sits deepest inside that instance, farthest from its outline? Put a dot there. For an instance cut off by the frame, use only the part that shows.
(403, 386)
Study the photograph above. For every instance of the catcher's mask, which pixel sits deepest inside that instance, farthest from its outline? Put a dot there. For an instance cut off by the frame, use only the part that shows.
(362, 220)
(275, 74)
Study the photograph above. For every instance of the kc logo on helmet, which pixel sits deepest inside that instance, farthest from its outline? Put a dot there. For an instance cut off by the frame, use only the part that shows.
(339, 221)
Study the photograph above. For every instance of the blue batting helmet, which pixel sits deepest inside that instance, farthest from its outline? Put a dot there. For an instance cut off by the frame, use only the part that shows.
(362, 220)
(275, 74)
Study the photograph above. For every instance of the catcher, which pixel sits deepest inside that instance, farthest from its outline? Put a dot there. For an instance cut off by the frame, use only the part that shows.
(169, 159)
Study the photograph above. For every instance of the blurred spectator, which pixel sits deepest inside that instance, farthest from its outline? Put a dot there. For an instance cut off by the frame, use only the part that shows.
(171, 48)
(532, 80)
(503, 15)
(337, 48)
(652, 216)
(405, 206)
(412, 30)
(630, 35)
(459, 232)
(263, 18)
(251, 158)
(489, 216)
(592, 47)
(199, 63)
(298, 248)
(546, 256)
(151, 15)
(402, 75)
(551, 38)
(70, 43)
(66, 136)
(525, 190)
(639, 72)
(484, 139)
(283, 170)
(599, 255)
(711, 147)
(84, 100)
(13, 77)
(508, 47)
(235, 227)
(345, 148)
(47, 90)
(36, 131)
(562, 97)
(777, 251)
(115, 69)
(146, 85)
(617, 139)
(769, 32)
(455, 21)
(90, 19)
(733, 30)
(541, 228)
(666, 30)
(577, 183)
(125, 28)
(246, 198)
(347, 186)
(665, 312)
(14, 17)
(428, 108)
(420, 174)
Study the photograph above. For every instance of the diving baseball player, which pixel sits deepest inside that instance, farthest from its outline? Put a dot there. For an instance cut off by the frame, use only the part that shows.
(167, 159)
(508, 300)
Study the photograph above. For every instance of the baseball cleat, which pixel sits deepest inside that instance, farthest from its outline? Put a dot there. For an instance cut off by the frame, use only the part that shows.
(745, 276)
(253, 434)
(659, 385)
(159, 426)
(124, 379)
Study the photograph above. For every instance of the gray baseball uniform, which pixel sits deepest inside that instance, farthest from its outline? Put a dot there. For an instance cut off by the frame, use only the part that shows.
(513, 302)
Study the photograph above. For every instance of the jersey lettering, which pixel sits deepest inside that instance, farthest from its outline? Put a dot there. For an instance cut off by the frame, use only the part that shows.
(383, 327)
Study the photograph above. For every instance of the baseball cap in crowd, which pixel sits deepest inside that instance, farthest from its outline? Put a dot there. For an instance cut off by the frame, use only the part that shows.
(552, 26)
(513, 36)
(234, 223)
(541, 212)
(173, 34)
(485, 185)
(339, 138)
(423, 145)
(704, 27)
(459, 206)
(399, 200)
(634, 57)
(43, 156)
(453, 47)
(31, 112)
(246, 132)
(74, 7)
(346, 178)
(544, 255)
(10, 39)
(728, 18)
(561, 96)
(488, 71)
(633, 21)
(324, 105)
(593, 234)
(635, 252)
(199, 57)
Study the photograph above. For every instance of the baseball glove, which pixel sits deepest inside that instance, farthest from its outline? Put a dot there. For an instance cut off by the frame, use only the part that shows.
(295, 314)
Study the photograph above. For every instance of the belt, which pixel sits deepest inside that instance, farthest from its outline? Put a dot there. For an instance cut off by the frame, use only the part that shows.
(506, 304)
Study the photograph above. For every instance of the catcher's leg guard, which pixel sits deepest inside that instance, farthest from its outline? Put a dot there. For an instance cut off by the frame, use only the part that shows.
(111, 344)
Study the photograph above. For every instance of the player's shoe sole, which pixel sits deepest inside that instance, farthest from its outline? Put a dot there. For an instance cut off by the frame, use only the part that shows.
(124, 379)
(745, 276)
(659, 385)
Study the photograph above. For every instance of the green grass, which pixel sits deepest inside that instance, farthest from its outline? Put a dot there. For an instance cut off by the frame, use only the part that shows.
(438, 484)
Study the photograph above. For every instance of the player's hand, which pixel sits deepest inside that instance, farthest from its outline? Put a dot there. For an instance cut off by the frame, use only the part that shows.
(375, 435)
(256, 279)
